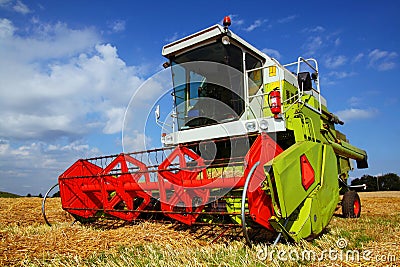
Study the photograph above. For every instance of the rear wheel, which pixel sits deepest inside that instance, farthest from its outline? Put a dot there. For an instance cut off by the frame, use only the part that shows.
(351, 205)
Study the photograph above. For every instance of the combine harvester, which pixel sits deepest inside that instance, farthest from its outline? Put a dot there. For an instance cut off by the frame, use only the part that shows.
(255, 149)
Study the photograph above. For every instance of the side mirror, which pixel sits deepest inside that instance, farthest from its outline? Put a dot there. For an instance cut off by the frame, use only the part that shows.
(304, 80)
(157, 112)
(166, 64)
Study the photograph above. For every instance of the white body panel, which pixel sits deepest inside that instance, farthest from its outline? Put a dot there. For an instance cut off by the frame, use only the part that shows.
(228, 129)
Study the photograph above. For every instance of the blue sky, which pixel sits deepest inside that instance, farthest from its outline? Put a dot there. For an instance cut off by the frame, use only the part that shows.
(69, 68)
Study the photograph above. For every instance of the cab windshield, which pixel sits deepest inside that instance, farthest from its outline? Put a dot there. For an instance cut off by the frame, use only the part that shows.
(208, 85)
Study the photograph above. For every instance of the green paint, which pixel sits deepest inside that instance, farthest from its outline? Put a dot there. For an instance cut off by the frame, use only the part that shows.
(308, 211)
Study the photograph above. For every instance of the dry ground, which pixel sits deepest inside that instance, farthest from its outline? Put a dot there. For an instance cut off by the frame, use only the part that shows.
(24, 234)
(26, 240)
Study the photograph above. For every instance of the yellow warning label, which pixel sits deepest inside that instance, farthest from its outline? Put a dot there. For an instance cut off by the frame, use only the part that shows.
(272, 71)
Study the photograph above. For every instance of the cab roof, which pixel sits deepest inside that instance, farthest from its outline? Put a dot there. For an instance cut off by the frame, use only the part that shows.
(204, 37)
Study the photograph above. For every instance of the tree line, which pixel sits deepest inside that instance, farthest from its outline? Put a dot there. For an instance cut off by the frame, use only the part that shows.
(385, 182)
(57, 194)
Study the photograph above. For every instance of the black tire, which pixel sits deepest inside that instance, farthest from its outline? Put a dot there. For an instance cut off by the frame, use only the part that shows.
(351, 205)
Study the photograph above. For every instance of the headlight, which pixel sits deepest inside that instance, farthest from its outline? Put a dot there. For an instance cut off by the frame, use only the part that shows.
(168, 139)
(225, 40)
(251, 126)
(263, 125)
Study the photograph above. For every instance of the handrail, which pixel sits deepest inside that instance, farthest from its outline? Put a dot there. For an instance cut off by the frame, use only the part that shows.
(305, 61)
(248, 97)
(311, 131)
(314, 68)
(310, 62)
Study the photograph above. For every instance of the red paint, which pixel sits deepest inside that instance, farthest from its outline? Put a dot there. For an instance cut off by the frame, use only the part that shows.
(307, 172)
(275, 102)
(123, 188)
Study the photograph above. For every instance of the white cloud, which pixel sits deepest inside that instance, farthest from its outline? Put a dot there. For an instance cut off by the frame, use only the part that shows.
(334, 62)
(35, 166)
(358, 57)
(45, 42)
(6, 28)
(287, 19)
(4, 2)
(237, 21)
(356, 114)
(316, 29)
(386, 66)
(257, 23)
(61, 82)
(4, 147)
(313, 44)
(17, 6)
(115, 118)
(355, 101)
(340, 74)
(172, 38)
(21, 8)
(332, 77)
(117, 26)
(382, 60)
(272, 52)
(59, 86)
(136, 141)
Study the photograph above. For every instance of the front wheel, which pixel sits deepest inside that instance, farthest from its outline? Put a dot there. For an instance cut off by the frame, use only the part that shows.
(351, 205)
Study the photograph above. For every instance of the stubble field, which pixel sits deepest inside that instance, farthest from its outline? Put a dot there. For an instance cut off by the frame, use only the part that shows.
(25, 240)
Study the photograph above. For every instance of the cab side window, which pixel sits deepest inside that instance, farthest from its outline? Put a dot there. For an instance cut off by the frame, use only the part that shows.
(255, 77)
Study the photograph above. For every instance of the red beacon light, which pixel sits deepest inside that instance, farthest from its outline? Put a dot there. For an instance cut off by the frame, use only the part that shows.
(226, 22)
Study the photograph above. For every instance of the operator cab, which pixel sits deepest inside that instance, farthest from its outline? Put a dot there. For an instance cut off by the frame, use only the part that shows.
(208, 79)
(225, 87)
